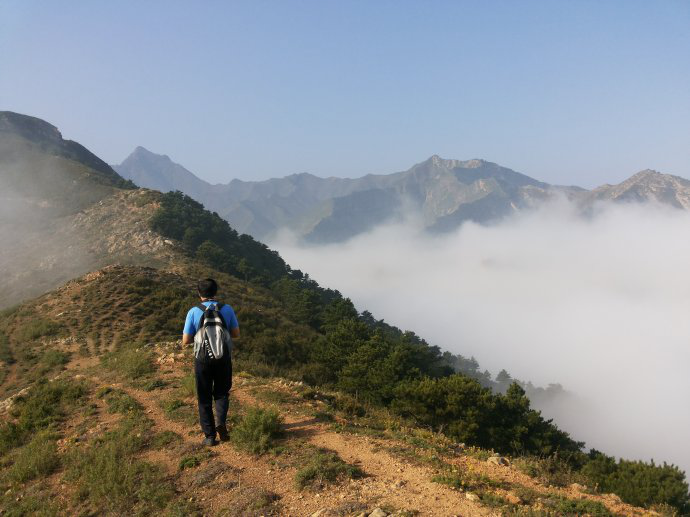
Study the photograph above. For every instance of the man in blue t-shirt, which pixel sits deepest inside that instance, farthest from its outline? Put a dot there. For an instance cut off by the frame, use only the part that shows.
(214, 378)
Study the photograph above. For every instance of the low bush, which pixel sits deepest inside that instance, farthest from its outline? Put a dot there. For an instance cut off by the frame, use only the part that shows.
(119, 402)
(195, 459)
(550, 470)
(188, 386)
(6, 355)
(38, 458)
(165, 439)
(110, 476)
(36, 328)
(133, 362)
(179, 410)
(53, 358)
(257, 430)
(325, 467)
(34, 505)
(639, 483)
(467, 480)
(563, 506)
(41, 408)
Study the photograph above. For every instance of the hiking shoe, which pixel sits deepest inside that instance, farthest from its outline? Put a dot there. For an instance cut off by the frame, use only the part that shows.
(209, 441)
(222, 433)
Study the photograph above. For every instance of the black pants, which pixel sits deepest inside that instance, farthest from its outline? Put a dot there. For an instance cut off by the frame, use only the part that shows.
(213, 383)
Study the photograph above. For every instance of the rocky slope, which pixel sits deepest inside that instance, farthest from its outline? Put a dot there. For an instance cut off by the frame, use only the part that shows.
(646, 186)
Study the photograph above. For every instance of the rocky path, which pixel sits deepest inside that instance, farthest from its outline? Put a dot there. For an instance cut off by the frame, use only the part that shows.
(389, 482)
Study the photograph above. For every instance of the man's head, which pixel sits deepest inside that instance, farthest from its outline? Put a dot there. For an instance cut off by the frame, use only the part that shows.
(207, 288)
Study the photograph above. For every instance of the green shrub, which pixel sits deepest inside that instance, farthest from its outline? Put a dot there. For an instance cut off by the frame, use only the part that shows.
(132, 362)
(466, 480)
(32, 505)
(36, 328)
(53, 358)
(195, 459)
(564, 506)
(257, 430)
(110, 477)
(549, 470)
(188, 386)
(165, 439)
(492, 500)
(189, 462)
(637, 482)
(6, 355)
(119, 402)
(179, 410)
(323, 468)
(38, 458)
(11, 436)
(41, 408)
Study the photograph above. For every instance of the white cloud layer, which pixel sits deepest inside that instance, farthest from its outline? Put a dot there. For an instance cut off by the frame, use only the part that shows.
(600, 305)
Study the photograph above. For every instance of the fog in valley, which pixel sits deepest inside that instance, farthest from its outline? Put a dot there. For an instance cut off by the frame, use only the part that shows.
(599, 304)
(40, 247)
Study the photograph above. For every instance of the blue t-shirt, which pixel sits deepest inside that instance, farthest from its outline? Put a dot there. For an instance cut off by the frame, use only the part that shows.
(191, 324)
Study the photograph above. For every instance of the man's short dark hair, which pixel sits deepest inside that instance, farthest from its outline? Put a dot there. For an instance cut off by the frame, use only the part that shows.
(207, 288)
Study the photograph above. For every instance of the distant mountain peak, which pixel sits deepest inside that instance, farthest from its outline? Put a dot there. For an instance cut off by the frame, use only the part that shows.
(652, 177)
(141, 152)
(446, 163)
(49, 139)
(647, 173)
(29, 127)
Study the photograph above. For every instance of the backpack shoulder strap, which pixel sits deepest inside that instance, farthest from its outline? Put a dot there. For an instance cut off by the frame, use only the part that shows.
(203, 315)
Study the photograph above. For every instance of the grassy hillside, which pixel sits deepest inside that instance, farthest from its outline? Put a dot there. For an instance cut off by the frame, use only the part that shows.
(97, 403)
(99, 416)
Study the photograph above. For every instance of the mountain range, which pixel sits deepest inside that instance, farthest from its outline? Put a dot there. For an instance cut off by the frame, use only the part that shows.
(345, 412)
(444, 193)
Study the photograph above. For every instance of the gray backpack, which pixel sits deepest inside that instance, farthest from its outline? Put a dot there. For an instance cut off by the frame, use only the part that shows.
(212, 341)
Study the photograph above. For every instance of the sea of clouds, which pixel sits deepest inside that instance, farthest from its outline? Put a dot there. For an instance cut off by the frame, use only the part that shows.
(600, 304)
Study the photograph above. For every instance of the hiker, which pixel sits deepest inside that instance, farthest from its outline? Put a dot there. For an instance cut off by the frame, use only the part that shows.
(211, 326)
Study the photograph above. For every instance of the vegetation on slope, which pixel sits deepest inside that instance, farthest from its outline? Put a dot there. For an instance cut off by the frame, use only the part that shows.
(380, 365)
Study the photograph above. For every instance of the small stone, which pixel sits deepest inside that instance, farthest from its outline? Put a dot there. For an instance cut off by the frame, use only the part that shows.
(378, 512)
(318, 512)
(498, 460)
(578, 487)
(512, 498)
(472, 497)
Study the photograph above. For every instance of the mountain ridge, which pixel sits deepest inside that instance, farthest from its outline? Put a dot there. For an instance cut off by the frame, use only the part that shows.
(447, 192)
(314, 207)
(107, 340)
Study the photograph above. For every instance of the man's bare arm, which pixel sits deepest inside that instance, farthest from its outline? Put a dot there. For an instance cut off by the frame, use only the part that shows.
(187, 339)
(235, 333)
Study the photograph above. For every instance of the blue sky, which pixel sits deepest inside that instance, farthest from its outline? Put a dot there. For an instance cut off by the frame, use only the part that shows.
(573, 92)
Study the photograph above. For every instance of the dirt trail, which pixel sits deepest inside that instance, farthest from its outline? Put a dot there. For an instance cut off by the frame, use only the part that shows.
(388, 482)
